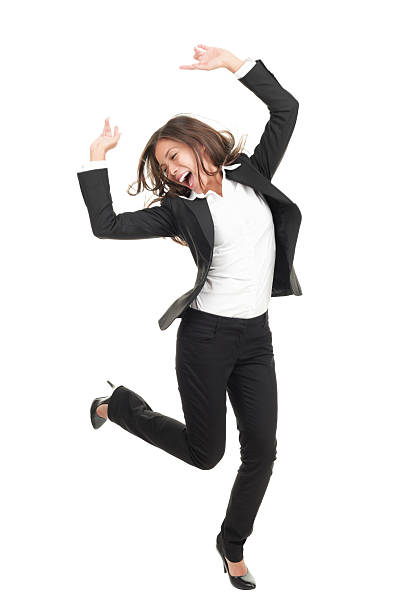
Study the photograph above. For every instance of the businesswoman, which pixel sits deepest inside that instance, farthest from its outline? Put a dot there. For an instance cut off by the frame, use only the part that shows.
(242, 232)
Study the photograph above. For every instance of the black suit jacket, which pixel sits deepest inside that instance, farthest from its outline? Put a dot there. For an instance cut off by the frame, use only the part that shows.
(191, 220)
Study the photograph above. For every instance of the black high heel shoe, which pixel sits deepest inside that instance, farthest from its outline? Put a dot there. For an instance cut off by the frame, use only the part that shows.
(96, 420)
(240, 582)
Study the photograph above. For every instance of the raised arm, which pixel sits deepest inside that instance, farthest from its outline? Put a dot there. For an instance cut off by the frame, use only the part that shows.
(282, 105)
(283, 108)
(155, 222)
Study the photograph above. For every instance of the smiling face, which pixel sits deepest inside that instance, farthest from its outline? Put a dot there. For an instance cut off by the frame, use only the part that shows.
(177, 158)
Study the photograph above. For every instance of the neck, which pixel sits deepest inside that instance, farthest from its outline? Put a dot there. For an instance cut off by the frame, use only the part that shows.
(216, 184)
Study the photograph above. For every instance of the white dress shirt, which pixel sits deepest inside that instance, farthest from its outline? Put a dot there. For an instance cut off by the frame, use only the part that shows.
(240, 278)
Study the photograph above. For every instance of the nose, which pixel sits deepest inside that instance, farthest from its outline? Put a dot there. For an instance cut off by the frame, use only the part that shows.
(169, 174)
(174, 175)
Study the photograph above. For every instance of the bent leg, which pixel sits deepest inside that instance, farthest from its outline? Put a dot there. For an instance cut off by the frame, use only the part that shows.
(202, 372)
(129, 410)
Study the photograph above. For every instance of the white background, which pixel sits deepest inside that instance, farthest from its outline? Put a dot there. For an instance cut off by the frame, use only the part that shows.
(100, 520)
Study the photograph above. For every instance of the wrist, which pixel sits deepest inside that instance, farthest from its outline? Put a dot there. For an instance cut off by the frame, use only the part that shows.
(233, 63)
(97, 154)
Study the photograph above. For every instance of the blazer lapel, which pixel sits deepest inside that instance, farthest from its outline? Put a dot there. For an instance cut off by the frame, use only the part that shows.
(246, 174)
(200, 209)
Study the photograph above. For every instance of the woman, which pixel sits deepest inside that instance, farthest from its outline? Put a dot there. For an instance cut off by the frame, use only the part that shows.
(242, 233)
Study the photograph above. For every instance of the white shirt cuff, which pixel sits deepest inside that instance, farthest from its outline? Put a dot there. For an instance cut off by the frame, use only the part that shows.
(91, 165)
(244, 69)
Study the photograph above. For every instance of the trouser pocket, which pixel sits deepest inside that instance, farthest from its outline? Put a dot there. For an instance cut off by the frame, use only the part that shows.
(193, 329)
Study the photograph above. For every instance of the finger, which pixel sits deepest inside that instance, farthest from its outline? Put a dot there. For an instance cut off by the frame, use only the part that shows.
(106, 127)
(200, 65)
(117, 135)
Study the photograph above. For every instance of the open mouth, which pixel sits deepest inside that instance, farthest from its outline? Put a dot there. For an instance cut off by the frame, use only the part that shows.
(187, 179)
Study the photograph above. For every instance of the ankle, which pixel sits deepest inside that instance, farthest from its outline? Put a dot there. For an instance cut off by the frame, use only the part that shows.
(236, 568)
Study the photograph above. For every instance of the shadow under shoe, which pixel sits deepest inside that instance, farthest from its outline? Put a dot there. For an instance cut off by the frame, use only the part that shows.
(240, 582)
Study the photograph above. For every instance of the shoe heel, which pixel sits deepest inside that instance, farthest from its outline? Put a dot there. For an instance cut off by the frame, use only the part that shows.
(240, 582)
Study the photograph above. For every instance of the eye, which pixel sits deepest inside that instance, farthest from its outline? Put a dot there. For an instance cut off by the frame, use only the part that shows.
(172, 157)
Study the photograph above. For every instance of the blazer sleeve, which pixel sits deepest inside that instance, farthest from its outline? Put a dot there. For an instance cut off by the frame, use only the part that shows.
(283, 108)
(154, 222)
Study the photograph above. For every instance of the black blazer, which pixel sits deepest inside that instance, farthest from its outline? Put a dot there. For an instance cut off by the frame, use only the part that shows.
(191, 220)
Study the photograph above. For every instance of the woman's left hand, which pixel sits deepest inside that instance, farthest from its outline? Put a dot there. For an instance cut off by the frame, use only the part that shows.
(209, 58)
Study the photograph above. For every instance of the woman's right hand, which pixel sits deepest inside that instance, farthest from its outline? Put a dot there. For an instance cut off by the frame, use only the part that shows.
(104, 142)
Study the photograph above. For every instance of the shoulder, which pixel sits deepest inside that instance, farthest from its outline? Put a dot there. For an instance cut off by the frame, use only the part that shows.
(172, 202)
(166, 201)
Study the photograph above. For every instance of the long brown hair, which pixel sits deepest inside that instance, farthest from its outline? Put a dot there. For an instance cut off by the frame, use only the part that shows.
(220, 148)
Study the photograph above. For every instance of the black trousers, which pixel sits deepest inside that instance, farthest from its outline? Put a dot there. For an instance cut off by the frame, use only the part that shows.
(215, 355)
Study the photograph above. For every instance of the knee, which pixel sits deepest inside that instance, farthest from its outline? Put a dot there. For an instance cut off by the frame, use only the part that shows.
(210, 460)
(269, 451)
(260, 449)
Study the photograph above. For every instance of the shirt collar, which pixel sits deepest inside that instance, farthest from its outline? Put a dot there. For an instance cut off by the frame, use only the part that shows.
(194, 195)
